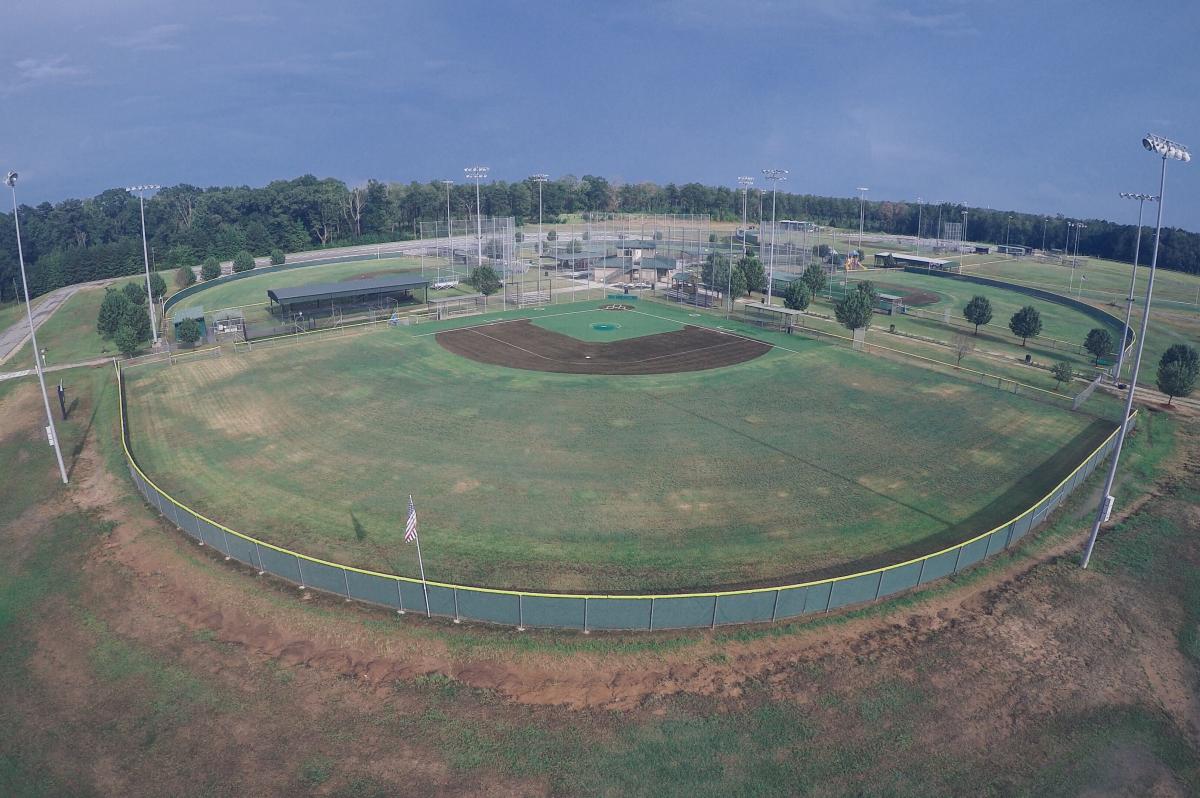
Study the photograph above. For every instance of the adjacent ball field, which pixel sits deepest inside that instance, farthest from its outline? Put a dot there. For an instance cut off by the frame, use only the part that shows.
(544, 453)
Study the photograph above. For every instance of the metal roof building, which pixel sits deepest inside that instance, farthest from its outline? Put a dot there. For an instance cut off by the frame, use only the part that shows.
(349, 292)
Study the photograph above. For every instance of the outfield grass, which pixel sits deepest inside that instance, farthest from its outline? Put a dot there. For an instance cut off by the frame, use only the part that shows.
(808, 458)
(1106, 280)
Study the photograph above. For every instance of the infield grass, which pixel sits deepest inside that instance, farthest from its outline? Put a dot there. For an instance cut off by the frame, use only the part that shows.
(809, 459)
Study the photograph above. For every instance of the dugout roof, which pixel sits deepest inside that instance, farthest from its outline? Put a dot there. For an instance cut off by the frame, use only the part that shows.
(318, 292)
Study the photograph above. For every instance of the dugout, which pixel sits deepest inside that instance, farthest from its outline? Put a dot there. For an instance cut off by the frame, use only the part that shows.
(904, 259)
(322, 299)
(771, 316)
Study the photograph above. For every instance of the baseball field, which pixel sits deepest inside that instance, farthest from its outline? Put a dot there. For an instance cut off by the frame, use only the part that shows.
(791, 459)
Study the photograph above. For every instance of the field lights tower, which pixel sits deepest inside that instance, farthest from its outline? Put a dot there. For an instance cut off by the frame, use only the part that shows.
(1165, 149)
(745, 183)
(51, 432)
(478, 174)
(1137, 250)
(862, 215)
(139, 192)
(774, 175)
(540, 179)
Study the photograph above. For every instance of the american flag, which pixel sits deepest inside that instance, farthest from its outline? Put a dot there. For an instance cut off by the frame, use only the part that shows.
(410, 530)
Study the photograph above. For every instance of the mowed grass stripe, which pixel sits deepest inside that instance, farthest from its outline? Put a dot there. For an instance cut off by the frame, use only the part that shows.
(791, 463)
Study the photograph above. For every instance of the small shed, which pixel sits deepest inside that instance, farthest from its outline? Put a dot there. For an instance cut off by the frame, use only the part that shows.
(194, 312)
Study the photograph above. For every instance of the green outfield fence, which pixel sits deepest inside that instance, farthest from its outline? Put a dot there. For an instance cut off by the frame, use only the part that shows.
(599, 612)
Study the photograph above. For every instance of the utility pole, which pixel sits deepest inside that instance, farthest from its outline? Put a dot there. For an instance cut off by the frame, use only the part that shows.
(51, 431)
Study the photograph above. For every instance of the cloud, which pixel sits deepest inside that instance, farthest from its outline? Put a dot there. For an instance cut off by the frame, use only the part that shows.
(155, 39)
(39, 71)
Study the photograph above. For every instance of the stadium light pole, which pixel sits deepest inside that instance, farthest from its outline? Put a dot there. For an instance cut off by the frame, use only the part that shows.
(138, 191)
(745, 182)
(1137, 250)
(449, 225)
(1007, 226)
(1166, 149)
(1078, 226)
(1045, 223)
(540, 179)
(774, 175)
(964, 239)
(51, 431)
(920, 209)
(862, 215)
(478, 174)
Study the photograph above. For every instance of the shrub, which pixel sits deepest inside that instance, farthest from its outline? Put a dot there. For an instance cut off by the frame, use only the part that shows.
(243, 262)
(211, 268)
(184, 276)
(277, 257)
(188, 332)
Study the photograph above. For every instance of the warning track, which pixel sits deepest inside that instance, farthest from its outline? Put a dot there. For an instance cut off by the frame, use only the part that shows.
(522, 345)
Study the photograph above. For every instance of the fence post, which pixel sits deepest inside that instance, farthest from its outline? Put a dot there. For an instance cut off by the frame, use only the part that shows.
(775, 607)
(456, 618)
(586, 631)
(652, 613)
(258, 551)
(400, 595)
(716, 601)
(520, 612)
(300, 568)
(346, 577)
(224, 535)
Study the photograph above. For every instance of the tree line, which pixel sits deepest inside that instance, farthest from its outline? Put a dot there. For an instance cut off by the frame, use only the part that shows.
(79, 240)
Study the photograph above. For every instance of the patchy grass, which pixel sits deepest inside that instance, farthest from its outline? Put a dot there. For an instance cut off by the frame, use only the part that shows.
(806, 460)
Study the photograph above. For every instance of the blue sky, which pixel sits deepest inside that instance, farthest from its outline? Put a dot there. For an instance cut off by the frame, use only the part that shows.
(1037, 107)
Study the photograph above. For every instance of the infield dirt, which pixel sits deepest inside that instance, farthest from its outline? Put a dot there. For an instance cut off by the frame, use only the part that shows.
(523, 345)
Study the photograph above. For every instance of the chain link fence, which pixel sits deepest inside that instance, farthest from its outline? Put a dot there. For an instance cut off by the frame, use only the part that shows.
(598, 612)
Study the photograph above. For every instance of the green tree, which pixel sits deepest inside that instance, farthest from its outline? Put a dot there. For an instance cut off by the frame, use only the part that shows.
(978, 311)
(127, 340)
(815, 278)
(1177, 371)
(1062, 372)
(575, 247)
(715, 272)
(211, 268)
(551, 235)
(277, 257)
(188, 332)
(752, 268)
(137, 319)
(855, 309)
(243, 261)
(134, 292)
(796, 296)
(1026, 323)
(158, 286)
(1099, 342)
(184, 276)
(867, 287)
(485, 280)
(737, 283)
(112, 310)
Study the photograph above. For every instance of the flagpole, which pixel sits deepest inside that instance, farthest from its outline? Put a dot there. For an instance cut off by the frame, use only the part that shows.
(421, 565)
